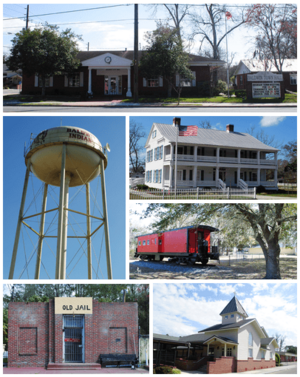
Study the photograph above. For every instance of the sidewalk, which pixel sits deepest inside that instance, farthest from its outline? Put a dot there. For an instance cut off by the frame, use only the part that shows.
(281, 369)
(119, 103)
(29, 370)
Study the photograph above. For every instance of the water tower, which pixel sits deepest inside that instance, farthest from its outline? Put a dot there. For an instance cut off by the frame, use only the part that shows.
(64, 157)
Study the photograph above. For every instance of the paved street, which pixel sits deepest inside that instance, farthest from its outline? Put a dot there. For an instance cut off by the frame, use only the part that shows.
(173, 110)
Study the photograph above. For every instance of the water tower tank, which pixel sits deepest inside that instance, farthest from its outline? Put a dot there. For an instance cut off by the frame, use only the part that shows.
(84, 154)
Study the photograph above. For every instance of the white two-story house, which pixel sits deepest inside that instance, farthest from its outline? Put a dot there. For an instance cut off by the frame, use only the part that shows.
(237, 344)
(212, 159)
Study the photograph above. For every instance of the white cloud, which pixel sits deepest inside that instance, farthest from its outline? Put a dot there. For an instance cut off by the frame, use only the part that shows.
(268, 121)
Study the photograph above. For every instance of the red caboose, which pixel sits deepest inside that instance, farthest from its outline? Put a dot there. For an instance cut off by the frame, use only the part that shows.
(189, 245)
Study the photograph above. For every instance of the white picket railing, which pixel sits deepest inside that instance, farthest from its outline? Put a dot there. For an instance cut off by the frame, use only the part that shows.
(268, 162)
(207, 158)
(230, 160)
(192, 194)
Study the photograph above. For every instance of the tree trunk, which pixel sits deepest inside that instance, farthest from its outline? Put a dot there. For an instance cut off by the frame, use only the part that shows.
(43, 86)
(169, 89)
(272, 262)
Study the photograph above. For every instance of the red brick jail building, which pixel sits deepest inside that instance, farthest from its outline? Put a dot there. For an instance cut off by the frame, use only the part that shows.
(69, 330)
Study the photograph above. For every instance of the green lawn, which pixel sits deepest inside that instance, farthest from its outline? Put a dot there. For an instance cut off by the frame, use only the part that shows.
(289, 98)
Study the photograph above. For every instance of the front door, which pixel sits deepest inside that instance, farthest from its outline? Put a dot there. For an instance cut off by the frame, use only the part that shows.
(112, 85)
(73, 338)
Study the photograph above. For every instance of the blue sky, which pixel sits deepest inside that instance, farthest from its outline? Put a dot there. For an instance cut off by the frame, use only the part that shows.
(16, 131)
(184, 308)
(110, 28)
(284, 128)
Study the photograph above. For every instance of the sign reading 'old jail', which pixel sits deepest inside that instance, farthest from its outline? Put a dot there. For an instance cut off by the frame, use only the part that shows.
(73, 305)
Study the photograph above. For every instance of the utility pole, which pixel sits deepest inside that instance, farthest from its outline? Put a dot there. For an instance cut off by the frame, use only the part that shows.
(136, 52)
(27, 17)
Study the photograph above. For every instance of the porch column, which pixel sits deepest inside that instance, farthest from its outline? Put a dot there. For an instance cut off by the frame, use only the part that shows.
(163, 176)
(275, 177)
(195, 153)
(217, 174)
(258, 157)
(218, 155)
(171, 176)
(238, 175)
(239, 156)
(195, 176)
(129, 94)
(225, 350)
(90, 81)
(207, 349)
(172, 151)
(258, 177)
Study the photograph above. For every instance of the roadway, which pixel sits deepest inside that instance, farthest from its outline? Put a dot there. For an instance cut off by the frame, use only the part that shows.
(152, 109)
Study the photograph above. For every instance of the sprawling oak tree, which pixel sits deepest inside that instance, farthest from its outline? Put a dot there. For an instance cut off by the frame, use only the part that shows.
(269, 223)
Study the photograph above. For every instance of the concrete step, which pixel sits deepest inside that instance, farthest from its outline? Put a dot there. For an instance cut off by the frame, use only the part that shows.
(73, 366)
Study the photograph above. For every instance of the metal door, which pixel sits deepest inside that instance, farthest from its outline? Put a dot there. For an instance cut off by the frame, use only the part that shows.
(73, 338)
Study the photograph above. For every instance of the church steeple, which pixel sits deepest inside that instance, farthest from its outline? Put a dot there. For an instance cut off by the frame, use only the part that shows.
(233, 312)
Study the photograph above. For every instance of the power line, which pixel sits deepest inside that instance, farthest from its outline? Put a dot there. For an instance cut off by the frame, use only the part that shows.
(71, 11)
(92, 22)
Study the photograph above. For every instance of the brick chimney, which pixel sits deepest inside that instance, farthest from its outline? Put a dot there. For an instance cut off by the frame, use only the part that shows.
(176, 121)
(230, 128)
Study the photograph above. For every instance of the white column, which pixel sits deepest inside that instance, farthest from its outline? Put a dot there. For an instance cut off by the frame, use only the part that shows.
(258, 177)
(225, 350)
(90, 81)
(195, 176)
(172, 152)
(275, 177)
(238, 175)
(195, 153)
(129, 94)
(207, 349)
(218, 154)
(239, 156)
(65, 228)
(171, 176)
(258, 157)
(217, 175)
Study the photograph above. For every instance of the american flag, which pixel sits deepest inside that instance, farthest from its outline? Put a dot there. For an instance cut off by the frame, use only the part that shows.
(188, 130)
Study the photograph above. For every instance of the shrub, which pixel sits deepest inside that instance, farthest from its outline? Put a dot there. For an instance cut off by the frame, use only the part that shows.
(166, 370)
(221, 87)
(277, 359)
(5, 360)
(240, 93)
(260, 189)
(142, 187)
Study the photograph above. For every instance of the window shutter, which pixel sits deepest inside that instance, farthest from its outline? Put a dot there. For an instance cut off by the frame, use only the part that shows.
(161, 83)
(81, 79)
(66, 80)
(51, 81)
(36, 80)
(177, 80)
(194, 80)
(144, 82)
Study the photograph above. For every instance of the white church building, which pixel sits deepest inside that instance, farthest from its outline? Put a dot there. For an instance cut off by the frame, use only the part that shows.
(210, 159)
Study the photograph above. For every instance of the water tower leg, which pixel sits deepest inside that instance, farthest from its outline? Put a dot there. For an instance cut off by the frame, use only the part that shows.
(88, 231)
(106, 230)
(65, 230)
(42, 225)
(60, 213)
(14, 256)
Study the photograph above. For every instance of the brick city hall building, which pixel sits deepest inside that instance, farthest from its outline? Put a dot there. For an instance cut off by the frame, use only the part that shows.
(72, 330)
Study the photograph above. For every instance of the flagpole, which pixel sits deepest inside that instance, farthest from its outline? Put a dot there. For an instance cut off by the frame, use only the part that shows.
(227, 55)
(177, 131)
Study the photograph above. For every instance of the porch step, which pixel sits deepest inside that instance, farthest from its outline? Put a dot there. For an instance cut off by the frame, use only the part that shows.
(73, 366)
(202, 370)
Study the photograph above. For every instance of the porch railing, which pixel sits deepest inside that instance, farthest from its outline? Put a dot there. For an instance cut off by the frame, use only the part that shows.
(268, 162)
(231, 160)
(242, 184)
(207, 158)
(221, 185)
(252, 161)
